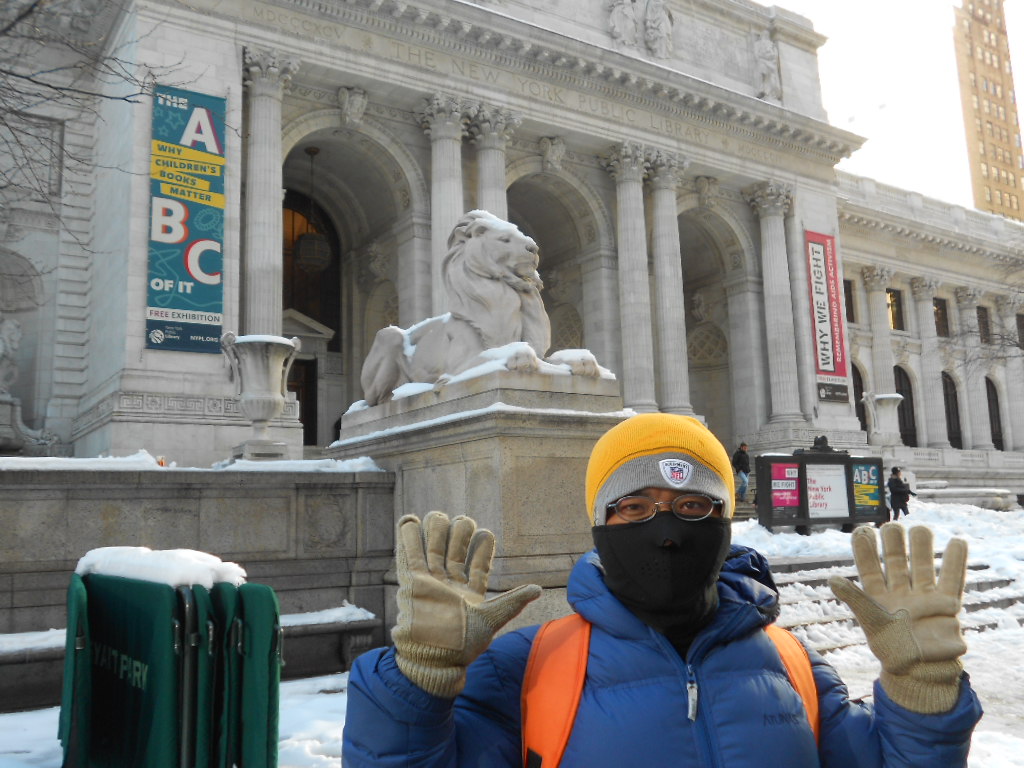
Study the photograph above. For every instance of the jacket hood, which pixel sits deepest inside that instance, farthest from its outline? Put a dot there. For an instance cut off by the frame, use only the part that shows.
(747, 595)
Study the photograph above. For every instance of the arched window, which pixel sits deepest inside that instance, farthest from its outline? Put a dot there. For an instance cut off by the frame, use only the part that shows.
(993, 414)
(952, 404)
(905, 410)
(858, 396)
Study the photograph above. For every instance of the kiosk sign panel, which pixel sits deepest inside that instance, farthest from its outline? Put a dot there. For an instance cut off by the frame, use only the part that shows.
(827, 491)
(185, 291)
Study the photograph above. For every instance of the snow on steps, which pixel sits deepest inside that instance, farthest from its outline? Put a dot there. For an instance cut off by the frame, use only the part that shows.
(811, 611)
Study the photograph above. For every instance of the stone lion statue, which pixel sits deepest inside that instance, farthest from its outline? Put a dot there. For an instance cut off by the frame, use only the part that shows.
(493, 290)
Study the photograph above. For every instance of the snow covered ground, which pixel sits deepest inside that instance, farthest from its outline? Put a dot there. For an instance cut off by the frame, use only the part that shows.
(313, 710)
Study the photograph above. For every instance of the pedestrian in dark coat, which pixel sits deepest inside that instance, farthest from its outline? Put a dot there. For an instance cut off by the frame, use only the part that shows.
(741, 466)
(899, 493)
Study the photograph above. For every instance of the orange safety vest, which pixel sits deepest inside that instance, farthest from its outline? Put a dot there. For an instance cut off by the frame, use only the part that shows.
(557, 669)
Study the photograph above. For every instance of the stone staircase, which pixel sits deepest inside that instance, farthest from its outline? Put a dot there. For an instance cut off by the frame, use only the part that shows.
(811, 611)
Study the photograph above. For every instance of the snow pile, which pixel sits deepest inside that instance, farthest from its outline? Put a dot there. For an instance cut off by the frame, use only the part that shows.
(174, 567)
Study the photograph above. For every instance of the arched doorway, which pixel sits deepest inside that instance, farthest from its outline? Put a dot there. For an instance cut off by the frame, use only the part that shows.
(356, 192)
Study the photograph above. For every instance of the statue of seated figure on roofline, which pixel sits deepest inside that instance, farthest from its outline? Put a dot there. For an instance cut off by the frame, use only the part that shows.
(493, 290)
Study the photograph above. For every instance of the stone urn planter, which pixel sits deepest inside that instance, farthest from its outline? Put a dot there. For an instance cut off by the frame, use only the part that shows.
(883, 421)
(259, 368)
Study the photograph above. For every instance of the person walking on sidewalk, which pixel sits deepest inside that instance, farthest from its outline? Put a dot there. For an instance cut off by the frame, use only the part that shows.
(672, 657)
(899, 493)
(741, 466)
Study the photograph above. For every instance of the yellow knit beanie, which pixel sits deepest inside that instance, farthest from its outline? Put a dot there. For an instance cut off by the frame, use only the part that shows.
(657, 450)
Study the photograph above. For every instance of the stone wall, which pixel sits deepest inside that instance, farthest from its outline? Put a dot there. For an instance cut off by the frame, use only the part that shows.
(316, 538)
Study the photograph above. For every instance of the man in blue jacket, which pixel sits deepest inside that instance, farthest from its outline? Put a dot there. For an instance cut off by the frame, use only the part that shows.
(680, 671)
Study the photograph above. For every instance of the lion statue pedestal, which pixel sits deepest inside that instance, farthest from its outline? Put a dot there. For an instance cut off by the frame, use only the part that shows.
(482, 424)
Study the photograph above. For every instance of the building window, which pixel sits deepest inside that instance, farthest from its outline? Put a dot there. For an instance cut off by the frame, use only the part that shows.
(952, 406)
(941, 309)
(993, 414)
(848, 298)
(894, 300)
(858, 397)
(988, 195)
(905, 410)
(984, 170)
(984, 326)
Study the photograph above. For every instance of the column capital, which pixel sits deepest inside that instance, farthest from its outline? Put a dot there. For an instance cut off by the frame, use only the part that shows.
(967, 297)
(876, 278)
(267, 68)
(626, 161)
(769, 198)
(443, 116)
(1009, 305)
(665, 168)
(491, 127)
(924, 288)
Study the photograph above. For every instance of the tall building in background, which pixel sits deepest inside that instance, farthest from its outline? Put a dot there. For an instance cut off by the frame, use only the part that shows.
(990, 107)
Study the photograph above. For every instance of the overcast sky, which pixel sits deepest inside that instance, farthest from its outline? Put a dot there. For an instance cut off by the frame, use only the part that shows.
(888, 73)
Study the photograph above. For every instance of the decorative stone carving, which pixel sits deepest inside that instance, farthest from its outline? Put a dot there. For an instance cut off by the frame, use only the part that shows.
(353, 103)
(967, 298)
(267, 69)
(769, 198)
(883, 422)
(707, 190)
(626, 161)
(658, 29)
(876, 278)
(491, 127)
(665, 168)
(552, 150)
(766, 55)
(10, 340)
(697, 307)
(447, 114)
(924, 288)
(624, 23)
(493, 290)
(642, 25)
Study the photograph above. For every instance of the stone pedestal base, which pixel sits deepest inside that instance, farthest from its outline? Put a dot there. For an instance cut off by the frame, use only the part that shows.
(509, 450)
(18, 439)
(260, 450)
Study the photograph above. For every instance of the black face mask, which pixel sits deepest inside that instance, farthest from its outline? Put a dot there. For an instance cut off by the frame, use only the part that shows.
(665, 570)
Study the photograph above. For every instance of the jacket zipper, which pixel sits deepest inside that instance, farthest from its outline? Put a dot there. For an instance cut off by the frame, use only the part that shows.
(691, 692)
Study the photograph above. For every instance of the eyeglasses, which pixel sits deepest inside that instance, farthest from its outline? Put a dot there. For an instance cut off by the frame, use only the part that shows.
(640, 509)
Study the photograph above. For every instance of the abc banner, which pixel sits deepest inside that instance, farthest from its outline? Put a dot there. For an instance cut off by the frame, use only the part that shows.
(827, 321)
(185, 294)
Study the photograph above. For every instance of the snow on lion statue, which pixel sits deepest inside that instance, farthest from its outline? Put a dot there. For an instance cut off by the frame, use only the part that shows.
(493, 292)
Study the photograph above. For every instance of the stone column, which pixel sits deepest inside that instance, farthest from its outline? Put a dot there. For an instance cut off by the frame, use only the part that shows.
(804, 334)
(931, 364)
(267, 74)
(669, 308)
(979, 428)
(876, 280)
(491, 130)
(771, 200)
(627, 166)
(1008, 307)
(444, 119)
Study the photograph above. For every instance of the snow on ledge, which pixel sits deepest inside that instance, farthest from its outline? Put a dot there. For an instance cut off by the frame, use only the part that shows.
(142, 460)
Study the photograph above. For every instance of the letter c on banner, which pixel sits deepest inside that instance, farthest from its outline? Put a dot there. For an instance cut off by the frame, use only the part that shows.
(193, 254)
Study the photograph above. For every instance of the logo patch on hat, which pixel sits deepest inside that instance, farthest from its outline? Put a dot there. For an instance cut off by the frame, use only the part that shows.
(675, 471)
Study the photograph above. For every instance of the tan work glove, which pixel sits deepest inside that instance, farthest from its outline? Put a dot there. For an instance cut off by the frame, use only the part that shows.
(444, 623)
(910, 620)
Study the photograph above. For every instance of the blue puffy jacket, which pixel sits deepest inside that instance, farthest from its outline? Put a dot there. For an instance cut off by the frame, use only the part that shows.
(634, 706)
